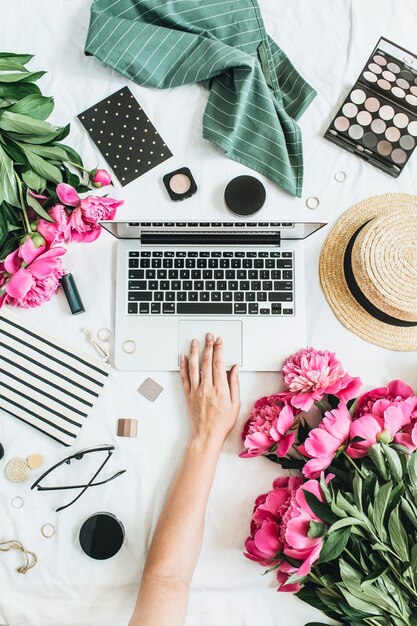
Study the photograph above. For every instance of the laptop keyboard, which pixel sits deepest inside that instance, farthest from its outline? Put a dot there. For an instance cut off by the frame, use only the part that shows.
(226, 282)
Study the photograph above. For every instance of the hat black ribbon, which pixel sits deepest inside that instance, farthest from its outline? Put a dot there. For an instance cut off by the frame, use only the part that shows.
(358, 294)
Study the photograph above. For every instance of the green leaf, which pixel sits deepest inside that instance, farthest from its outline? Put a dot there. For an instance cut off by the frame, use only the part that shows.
(373, 576)
(22, 124)
(8, 65)
(33, 180)
(47, 152)
(322, 510)
(37, 207)
(18, 90)
(334, 545)
(8, 184)
(15, 153)
(393, 462)
(43, 168)
(346, 521)
(412, 471)
(63, 132)
(73, 155)
(357, 491)
(317, 529)
(414, 559)
(21, 76)
(33, 139)
(39, 107)
(344, 504)
(19, 58)
(397, 535)
(380, 507)
(410, 512)
(378, 459)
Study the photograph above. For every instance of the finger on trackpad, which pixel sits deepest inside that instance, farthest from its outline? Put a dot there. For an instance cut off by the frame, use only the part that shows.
(230, 332)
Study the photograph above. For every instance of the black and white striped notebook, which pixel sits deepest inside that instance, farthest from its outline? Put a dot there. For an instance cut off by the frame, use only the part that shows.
(46, 383)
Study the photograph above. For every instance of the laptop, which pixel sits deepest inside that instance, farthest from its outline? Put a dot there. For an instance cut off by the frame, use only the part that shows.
(243, 281)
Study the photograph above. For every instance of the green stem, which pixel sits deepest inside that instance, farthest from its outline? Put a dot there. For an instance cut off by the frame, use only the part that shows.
(322, 584)
(351, 461)
(23, 207)
(354, 559)
(79, 167)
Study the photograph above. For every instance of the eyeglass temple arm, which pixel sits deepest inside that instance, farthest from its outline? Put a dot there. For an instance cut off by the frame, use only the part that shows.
(61, 508)
(110, 450)
(101, 482)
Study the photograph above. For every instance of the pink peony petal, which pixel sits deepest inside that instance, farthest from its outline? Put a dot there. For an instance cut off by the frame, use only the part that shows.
(311, 559)
(399, 388)
(67, 195)
(86, 237)
(285, 444)
(28, 251)
(314, 467)
(285, 420)
(320, 443)
(19, 284)
(267, 540)
(13, 262)
(394, 419)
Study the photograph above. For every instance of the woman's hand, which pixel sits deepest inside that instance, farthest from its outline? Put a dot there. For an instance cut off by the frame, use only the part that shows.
(212, 398)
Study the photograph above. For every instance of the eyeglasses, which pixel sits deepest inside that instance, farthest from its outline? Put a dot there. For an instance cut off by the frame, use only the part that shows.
(77, 456)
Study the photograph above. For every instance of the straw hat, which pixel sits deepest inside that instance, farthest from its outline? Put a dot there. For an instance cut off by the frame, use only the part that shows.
(368, 270)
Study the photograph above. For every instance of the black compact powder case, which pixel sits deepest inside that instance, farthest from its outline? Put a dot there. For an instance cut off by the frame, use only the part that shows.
(378, 119)
(101, 536)
(180, 184)
(244, 196)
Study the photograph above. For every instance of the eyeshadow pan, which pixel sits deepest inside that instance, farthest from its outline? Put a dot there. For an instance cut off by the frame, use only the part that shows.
(407, 142)
(401, 120)
(412, 128)
(356, 131)
(350, 109)
(372, 104)
(399, 156)
(388, 76)
(392, 134)
(378, 126)
(398, 92)
(393, 67)
(411, 99)
(386, 112)
(180, 183)
(364, 118)
(384, 147)
(407, 75)
(341, 123)
(380, 59)
(358, 96)
(413, 90)
(384, 84)
(370, 77)
(375, 68)
(404, 84)
(370, 140)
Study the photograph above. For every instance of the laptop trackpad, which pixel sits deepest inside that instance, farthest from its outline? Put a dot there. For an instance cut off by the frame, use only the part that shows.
(229, 331)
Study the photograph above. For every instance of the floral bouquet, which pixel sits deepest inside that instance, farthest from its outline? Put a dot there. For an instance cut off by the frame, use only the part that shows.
(40, 182)
(342, 533)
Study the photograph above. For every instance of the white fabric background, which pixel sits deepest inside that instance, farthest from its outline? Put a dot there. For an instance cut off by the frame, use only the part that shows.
(329, 42)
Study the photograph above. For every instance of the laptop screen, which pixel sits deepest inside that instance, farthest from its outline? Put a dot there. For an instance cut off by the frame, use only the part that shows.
(211, 232)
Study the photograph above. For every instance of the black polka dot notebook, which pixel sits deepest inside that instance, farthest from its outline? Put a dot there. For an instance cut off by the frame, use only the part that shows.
(125, 136)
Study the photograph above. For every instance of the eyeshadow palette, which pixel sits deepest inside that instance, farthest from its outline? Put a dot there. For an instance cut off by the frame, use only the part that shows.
(378, 119)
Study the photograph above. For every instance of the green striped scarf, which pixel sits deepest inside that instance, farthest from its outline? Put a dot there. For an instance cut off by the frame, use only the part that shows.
(256, 95)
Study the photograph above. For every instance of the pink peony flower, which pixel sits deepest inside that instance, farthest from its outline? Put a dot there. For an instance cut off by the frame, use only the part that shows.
(389, 421)
(30, 276)
(88, 212)
(310, 374)
(280, 525)
(271, 423)
(100, 178)
(326, 441)
(396, 391)
(57, 231)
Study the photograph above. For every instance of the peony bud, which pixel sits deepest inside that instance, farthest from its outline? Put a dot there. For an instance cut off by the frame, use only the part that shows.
(38, 240)
(100, 178)
(385, 436)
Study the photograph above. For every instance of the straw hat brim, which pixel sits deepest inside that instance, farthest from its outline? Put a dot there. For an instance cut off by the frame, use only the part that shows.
(332, 277)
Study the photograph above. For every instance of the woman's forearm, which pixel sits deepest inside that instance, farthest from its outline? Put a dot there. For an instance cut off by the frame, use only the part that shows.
(163, 596)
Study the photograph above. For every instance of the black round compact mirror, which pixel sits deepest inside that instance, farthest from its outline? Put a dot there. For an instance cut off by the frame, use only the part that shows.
(101, 536)
(244, 196)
